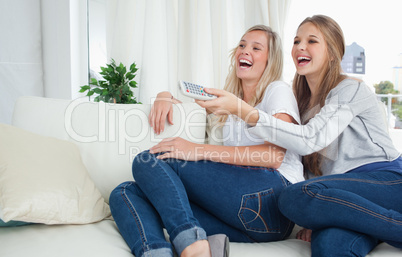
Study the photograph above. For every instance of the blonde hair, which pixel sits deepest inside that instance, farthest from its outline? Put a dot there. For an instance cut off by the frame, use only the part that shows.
(272, 72)
(331, 75)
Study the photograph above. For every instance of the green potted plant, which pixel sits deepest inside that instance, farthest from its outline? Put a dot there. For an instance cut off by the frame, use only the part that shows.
(117, 85)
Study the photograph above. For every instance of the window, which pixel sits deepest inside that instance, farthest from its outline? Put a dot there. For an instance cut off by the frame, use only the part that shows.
(381, 55)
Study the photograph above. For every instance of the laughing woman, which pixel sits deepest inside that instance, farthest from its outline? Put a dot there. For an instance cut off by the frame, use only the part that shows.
(197, 190)
(350, 206)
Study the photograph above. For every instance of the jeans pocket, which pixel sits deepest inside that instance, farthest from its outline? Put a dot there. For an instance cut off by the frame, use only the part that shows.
(259, 212)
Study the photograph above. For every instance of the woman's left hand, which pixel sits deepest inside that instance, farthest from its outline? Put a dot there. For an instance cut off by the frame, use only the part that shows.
(226, 103)
(178, 148)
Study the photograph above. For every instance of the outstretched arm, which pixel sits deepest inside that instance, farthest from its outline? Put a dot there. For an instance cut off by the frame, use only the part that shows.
(227, 103)
(264, 155)
(343, 104)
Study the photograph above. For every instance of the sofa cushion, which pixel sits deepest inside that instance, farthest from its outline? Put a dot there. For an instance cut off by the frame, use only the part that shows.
(103, 239)
(109, 136)
(43, 180)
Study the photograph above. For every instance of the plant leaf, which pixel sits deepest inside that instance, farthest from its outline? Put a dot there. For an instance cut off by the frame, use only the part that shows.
(133, 84)
(116, 84)
(130, 76)
(133, 68)
(84, 88)
(98, 90)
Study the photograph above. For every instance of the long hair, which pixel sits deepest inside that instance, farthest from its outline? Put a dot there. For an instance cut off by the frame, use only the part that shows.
(331, 75)
(272, 72)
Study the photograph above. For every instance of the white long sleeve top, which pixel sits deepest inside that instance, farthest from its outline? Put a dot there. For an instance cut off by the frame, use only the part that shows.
(278, 98)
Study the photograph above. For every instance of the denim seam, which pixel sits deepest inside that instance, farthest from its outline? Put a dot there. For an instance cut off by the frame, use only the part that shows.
(200, 234)
(392, 182)
(134, 214)
(177, 193)
(183, 227)
(258, 214)
(288, 227)
(352, 205)
(252, 167)
(285, 184)
(352, 245)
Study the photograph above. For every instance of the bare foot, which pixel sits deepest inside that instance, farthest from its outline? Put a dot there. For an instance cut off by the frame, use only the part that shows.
(197, 249)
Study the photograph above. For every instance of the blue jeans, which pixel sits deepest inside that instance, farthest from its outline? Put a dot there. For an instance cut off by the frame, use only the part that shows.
(348, 213)
(194, 199)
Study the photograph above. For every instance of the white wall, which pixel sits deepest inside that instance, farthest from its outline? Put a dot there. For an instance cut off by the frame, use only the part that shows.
(20, 53)
(43, 50)
(97, 34)
(65, 47)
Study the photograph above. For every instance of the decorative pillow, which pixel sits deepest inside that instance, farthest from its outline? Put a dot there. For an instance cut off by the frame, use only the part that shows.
(12, 223)
(43, 180)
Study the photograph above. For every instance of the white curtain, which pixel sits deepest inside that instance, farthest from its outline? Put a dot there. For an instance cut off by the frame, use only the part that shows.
(173, 40)
(21, 70)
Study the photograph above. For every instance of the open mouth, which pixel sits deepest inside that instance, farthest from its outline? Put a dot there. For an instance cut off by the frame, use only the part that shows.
(243, 63)
(303, 60)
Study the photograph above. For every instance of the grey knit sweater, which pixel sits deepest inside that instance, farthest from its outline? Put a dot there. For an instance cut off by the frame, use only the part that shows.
(349, 130)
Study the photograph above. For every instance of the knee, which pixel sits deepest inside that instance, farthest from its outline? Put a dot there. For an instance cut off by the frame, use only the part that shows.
(142, 163)
(115, 197)
(341, 242)
(326, 243)
(297, 198)
(289, 200)
(118, 196)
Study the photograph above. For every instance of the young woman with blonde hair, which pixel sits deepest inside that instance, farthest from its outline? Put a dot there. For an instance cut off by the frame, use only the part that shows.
(350, 206)
(197, 190)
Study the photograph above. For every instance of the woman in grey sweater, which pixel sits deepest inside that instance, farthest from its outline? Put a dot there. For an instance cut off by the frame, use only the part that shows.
(350, 205)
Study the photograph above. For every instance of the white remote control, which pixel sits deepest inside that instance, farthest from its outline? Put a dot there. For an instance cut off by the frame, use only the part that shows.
(194, 91)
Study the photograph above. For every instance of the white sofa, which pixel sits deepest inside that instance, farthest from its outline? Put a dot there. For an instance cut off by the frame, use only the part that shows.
(108, 137)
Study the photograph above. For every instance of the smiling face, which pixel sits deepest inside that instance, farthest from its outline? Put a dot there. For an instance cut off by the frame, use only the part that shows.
(309, 51)
(252, 56)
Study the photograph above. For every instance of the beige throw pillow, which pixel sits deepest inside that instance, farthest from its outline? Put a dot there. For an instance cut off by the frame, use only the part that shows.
(43, 180)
